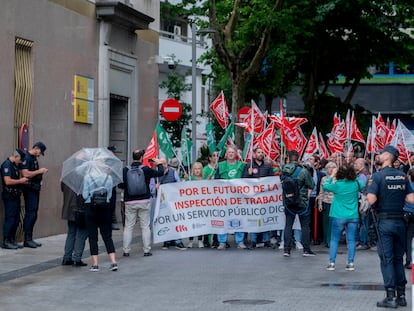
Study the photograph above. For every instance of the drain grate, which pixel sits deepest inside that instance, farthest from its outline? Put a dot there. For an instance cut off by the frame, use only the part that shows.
(354, 286)
(248, 302)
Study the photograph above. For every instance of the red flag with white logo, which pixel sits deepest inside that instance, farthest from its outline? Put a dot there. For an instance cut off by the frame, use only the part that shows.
(324, 153)
(312, 146)
(220, 110)
(152, 150)
(269, 142)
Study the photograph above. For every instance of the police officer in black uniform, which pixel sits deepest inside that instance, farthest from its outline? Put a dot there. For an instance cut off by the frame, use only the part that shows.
(30, 169)
(12, 182)
(389, 189)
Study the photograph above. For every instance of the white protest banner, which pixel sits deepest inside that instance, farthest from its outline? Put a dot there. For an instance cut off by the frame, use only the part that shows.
(195, 208)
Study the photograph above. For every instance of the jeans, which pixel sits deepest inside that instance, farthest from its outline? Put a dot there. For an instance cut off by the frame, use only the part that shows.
(75, 242)
(238, 237)
(253, 237)
(338, 225)
(99, 217)
(140, 211)
(391, 248)
(304, 223)
(31, 199)
(363, 231)
(11, 218)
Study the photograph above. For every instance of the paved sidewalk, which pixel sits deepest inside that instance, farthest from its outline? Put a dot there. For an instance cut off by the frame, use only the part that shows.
(195, 279)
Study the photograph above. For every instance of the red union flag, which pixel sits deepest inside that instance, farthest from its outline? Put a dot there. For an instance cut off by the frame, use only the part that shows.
(312, 146)
(152, 149)
(268, 141)
(300, 147)
(219, 108)
(324, 153)
(380, 132)
(355, 132)
(256, 119)
(337, 137)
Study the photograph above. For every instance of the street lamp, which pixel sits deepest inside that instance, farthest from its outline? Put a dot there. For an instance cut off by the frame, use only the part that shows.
(194, 32)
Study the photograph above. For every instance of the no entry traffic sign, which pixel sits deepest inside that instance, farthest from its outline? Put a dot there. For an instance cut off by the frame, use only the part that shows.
(171, 109)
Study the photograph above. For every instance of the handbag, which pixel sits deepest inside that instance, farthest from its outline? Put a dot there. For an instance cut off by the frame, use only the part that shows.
(363, 205)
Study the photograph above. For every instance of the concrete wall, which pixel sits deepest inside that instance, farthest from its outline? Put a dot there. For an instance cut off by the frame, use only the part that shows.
(66, 37)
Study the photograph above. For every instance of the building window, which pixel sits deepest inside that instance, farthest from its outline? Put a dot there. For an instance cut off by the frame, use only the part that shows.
(23, 88)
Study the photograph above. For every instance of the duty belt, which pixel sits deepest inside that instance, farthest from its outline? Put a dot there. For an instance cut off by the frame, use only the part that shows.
(390, 215)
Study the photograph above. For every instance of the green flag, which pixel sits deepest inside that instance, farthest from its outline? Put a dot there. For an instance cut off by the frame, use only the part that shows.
(247, 146)
(211, 140)
(186, 146)
(228, 135)
(164, 142)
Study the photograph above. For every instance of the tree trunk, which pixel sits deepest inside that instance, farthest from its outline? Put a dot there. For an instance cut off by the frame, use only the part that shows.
(238, 94)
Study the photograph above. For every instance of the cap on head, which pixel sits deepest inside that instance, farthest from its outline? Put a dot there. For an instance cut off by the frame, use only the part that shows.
(392, 150)
(41, 146)
(21, 153)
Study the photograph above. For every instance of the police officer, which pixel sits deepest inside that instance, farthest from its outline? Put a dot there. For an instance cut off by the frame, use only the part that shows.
(30, 169)
(389, 189)
(12, 182)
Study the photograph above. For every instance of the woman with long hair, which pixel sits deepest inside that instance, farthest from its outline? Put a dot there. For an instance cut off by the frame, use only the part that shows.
(345, 186)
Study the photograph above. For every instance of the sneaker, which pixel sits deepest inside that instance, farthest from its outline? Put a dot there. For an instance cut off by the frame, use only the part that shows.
(166, 245)
(362, 247)
(114, 267)
(94, 268)
(67, 262)
(286, 253)
(125, 254)
(147, 254)
(350, 267)
(331, 267)
(200, 244)
(298, 245)
(241, 245)
(308, 253)
(180, 246)
(190, 244)
(221, 246)
(282, 245)
(260, 245)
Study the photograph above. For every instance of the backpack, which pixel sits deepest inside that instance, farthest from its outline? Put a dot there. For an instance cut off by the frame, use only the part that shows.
(135, 180)
(291, 190)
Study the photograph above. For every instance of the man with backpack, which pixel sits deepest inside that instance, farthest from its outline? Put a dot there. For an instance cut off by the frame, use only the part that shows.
(137, 199)
(297, 185)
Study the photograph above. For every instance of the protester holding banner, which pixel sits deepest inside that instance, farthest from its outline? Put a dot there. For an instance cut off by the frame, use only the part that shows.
(209, 171)
(196, 174)
(170, 176)
(230, 169)
(257, 168)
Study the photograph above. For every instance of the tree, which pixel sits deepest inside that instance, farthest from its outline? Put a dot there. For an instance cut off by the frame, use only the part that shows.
(344, 38)
(241, 39)
(176, 85)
